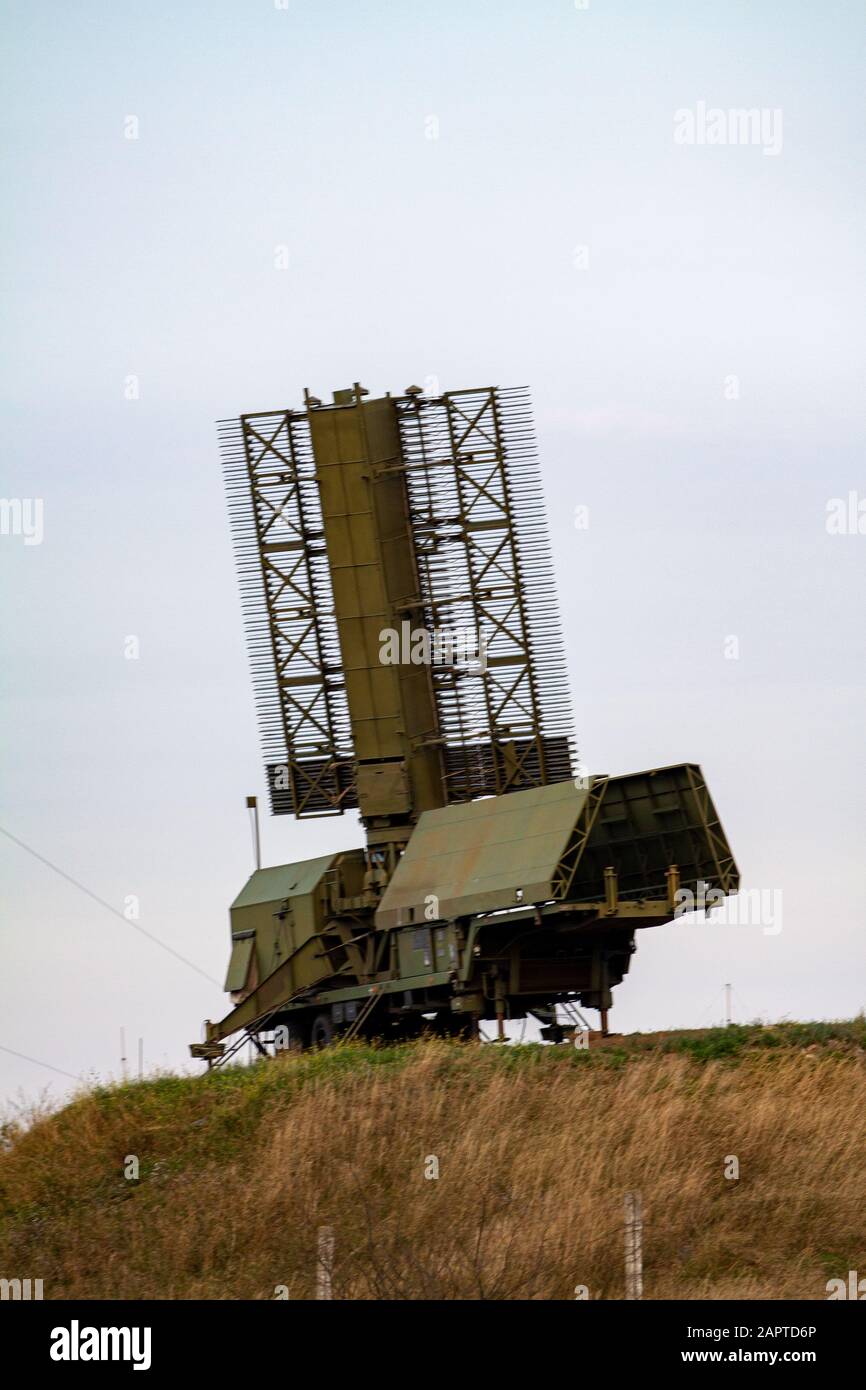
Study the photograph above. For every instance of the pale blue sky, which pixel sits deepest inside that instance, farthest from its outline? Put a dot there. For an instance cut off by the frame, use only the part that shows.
(410, 258)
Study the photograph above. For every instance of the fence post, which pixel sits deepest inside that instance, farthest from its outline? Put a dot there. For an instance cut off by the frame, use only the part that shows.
(325, 1262)
(633, 1246)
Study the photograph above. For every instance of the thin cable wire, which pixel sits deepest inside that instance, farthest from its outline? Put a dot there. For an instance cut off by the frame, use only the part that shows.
(36, 1062)
(108, 907)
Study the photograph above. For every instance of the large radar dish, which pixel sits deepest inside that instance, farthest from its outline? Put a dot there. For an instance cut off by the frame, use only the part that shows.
(428, 510)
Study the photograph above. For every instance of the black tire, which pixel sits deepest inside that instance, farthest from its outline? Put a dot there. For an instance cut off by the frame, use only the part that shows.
(322, 1031)
(295, 1038)
(408, 1029)
(462, 1027)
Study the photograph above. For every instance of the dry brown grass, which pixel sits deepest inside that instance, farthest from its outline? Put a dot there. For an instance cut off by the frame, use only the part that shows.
(534, 1158)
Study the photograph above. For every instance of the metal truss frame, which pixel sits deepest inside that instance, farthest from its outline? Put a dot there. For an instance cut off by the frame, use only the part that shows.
(288, 611)
(481, 542)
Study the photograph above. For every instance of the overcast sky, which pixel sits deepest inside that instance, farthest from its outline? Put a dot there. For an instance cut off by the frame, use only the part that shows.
(470, 193)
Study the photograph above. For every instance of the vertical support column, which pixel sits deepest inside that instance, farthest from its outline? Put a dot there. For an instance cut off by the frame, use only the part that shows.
(672, 875)
(633, 1246)
(325, 1263)
(611, 889)
(377, 589)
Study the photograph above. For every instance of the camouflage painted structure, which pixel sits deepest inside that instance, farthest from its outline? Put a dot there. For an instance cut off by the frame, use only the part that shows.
(407, 661)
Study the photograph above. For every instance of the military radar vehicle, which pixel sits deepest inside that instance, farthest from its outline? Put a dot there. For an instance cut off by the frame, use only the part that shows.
(408, 666)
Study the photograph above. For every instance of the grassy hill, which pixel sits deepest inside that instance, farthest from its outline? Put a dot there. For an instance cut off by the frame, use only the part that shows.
(535, 1147)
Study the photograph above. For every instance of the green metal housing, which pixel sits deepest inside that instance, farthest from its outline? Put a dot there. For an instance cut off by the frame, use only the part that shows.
(497, 909)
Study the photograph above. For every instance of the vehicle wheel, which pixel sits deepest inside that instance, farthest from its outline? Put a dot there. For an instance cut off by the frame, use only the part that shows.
(464, 1028)
(293, 1038)
(322, 1032)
